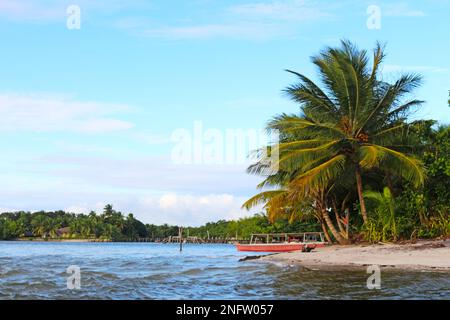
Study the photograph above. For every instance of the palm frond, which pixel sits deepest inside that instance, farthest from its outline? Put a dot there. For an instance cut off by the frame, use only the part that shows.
(399, 164)
(262, 198)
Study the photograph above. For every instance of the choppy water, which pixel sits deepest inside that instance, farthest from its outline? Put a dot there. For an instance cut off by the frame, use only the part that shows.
(32, 270)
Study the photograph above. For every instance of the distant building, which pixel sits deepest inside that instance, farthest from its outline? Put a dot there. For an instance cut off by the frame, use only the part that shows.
(28, 234)
(63, 231)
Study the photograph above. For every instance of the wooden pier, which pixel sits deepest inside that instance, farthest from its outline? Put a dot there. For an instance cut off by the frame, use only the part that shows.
(178, 239)
(197, 240)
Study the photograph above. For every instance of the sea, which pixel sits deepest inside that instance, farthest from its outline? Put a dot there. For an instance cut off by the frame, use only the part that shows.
(124, 271)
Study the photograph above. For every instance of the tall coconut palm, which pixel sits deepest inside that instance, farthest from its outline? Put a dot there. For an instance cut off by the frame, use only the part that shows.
(353, 125)
(355, 122)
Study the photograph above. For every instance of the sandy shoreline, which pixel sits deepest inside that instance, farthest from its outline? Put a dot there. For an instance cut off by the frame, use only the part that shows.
(423, 255)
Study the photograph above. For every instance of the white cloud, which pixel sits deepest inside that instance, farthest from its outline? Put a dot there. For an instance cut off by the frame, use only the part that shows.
(155, 190)
(230, 30)
(55, 10)
(151, 138)
(187, 209)
(172, 208)
(43, 113)
(104, 125)
(85, 208)
(413, 68)
(293, 10)
(76, 209)
(401, 10)
(139, 174)
(31, 10)
(255, 21)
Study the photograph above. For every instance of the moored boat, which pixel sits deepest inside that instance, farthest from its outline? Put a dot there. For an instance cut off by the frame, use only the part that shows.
(283, 242)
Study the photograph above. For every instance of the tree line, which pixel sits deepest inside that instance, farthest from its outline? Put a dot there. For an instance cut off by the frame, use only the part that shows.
(112, 225)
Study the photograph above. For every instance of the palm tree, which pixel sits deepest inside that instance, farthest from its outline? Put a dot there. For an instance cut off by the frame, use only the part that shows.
(345, 130)
(355, 123)
(287, 202)
(284, 201)
(38, 224)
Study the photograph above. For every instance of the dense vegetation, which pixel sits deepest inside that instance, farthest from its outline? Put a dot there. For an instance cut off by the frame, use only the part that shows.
(353, 159)
(112, 225)
(243, 228)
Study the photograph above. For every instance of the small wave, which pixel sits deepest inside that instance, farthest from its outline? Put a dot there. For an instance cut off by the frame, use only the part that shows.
(99, 275)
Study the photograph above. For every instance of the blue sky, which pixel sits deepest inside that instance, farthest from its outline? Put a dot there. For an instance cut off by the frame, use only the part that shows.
(87, 115)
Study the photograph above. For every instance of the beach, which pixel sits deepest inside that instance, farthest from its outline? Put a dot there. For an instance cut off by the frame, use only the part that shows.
(423, 255)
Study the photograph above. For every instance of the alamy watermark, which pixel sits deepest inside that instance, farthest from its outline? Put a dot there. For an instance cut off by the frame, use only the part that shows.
(209, 146)
(74, 280)
(73, 17)
(374, 280)
(374, 19)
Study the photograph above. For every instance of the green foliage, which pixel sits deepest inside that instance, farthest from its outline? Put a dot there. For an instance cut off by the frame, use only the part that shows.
(114, 226)
(243, 228)
(423, 212)
(382, 224)
(111, 225)
(428, 208)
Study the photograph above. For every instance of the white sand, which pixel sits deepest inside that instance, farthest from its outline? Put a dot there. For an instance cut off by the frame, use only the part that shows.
(422, 255)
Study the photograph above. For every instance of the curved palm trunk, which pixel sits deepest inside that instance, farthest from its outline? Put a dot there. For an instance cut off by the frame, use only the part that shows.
(333, 230)
(338, 220)
(359, 187)
(325, 232)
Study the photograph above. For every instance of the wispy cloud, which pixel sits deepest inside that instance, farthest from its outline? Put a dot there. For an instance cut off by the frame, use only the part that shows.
(46, 113)
(187, 209)
(152, 188)
(173, 208)
(138, 173)
(31, 10)
(293, 10)
(413, 68)
(257, 20)
(55, 10)
(401, 10)
(253, 20)
(240, 30)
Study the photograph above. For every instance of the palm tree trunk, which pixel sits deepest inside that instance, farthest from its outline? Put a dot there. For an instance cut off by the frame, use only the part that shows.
(389, 183)
(333, 230)
(338, 220)
(347, 226)
(360, 194)
(325, 232)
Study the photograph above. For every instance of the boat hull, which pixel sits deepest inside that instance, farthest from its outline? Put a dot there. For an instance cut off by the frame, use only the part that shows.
(276, 247)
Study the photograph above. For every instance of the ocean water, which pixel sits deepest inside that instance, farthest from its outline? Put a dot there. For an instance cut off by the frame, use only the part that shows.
(37, 270)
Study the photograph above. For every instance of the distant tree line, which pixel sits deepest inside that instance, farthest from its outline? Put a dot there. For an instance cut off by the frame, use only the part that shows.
(112, 225)
(243, 228)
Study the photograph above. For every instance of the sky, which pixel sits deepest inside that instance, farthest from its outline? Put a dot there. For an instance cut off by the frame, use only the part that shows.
(136, 103)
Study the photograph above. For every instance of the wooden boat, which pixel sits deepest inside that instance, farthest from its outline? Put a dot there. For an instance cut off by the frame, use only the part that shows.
(283, 242)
